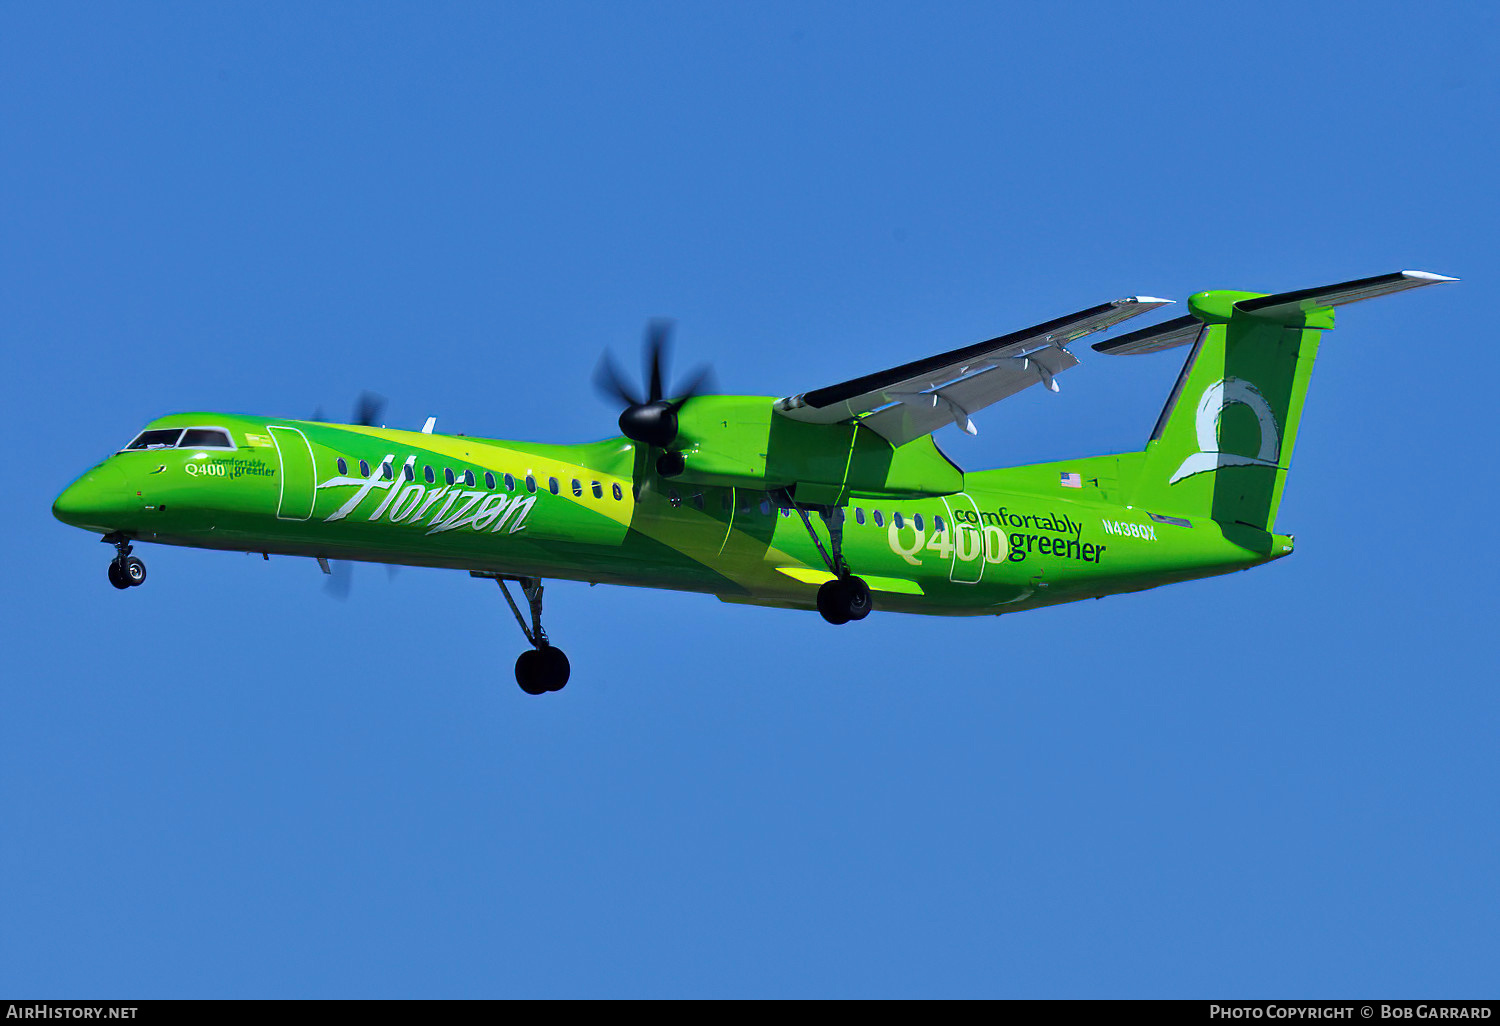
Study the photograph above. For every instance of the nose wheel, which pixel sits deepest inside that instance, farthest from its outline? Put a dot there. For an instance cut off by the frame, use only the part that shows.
(125, 570)
(543, 667)
(539, 670)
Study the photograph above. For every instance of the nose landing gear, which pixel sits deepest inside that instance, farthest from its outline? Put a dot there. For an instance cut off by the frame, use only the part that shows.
(539, 670)
(125, 570)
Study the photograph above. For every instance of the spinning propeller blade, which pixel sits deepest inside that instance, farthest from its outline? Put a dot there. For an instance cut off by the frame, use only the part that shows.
(652, 420)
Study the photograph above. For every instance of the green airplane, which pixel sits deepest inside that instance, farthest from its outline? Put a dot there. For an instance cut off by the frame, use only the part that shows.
(836, 499)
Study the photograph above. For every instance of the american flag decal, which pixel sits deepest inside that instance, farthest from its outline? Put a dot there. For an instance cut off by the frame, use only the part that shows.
(1071, 480)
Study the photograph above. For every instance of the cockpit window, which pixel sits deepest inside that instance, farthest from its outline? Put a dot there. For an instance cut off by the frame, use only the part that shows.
(181, 438)
(160, 438)
(197, 438)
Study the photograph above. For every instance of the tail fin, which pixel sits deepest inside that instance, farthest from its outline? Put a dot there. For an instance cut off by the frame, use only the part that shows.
(1223, 443)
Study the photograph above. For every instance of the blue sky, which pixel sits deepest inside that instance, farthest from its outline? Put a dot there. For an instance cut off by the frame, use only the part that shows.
(1279, 783)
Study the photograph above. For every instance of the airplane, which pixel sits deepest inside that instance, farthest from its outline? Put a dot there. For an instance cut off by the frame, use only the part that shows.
(836, 499)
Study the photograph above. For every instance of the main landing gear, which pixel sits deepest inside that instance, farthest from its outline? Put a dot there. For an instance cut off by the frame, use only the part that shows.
(846, 597)
(541, 668)
(125, 570)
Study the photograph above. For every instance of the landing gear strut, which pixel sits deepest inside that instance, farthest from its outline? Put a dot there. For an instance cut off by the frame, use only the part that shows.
(541, 668)
(125, 570)
(846, 597)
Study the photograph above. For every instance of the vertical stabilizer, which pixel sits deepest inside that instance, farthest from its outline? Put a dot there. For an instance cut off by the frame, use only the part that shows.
(1224, 441)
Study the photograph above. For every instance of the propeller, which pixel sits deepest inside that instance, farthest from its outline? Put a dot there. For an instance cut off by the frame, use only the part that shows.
(341, 578)
(367, 410)
(650, 418)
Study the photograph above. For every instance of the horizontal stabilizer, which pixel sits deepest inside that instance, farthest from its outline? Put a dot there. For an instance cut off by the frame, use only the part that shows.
(1291, 304)
(1179, 331)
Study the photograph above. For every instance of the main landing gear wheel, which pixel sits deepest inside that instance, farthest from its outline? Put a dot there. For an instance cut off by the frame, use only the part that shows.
(539, 670)
(844, 599)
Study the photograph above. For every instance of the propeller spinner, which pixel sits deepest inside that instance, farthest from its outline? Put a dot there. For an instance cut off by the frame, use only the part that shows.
(650, 419)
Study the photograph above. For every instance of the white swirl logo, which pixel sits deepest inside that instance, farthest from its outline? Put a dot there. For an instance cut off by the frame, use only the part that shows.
(1222, 393)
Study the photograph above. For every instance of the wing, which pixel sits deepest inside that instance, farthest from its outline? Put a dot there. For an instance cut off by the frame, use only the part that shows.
(911, 400)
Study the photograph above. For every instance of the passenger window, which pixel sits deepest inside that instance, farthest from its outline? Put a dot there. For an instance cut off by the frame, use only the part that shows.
(698, 500)
(364, 469)
(530, 483)
(448, 474)
(875, 516)
(577, 488)
(765, 507)
(469, 478)
(193, 438)
(160, 438)
(619, 495)
(386, 473)
(489, 480)
(673, 497)
(552, 485)
(896, 519)
(510, 483)
(598, 489)
(343, 467)
(427, 473)
(859, 515)
(408, 471)
(937, 523)
(916, 521)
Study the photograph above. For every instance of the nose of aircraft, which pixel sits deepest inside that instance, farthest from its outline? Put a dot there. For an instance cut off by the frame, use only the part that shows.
(97, 500)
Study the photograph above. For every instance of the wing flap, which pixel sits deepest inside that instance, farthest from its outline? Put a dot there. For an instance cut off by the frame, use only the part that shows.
(919, 414)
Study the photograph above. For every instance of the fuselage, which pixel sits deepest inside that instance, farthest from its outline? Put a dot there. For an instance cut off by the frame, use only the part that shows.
(1009, 540)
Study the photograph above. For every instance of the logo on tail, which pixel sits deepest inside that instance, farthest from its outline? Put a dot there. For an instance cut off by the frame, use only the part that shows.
(1222, 393)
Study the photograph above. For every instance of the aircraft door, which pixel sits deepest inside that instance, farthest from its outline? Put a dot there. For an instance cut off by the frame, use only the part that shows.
(968, 539)
(298, 479)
